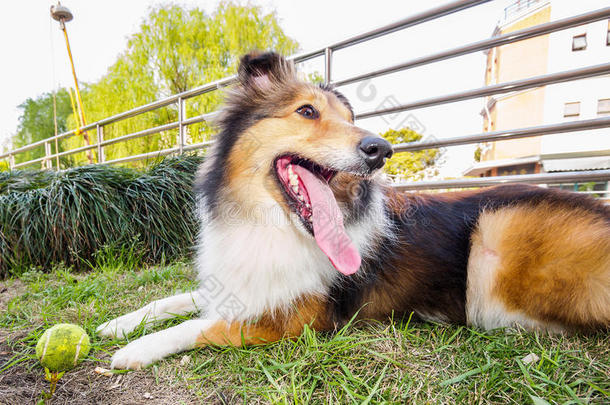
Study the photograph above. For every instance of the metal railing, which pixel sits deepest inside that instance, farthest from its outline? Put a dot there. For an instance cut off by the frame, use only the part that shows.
(327, 53)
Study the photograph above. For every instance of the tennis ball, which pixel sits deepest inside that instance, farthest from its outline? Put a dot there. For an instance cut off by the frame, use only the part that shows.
(61, 347)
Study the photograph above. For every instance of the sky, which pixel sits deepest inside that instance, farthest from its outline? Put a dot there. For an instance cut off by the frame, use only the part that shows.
(35, 58)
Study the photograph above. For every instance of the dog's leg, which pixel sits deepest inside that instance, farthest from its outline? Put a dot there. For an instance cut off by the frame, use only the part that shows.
(190, 334)
(155, 311)
(202, 332)
(150, 348)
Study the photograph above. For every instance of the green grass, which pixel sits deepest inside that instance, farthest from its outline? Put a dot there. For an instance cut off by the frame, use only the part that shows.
(379, 362)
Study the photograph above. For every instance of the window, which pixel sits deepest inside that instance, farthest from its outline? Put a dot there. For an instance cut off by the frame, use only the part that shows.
(603, 106)
(579, 42)
(571, 109)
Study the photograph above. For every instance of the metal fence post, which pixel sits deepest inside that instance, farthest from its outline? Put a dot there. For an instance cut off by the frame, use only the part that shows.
(100, 147)
(47, 153)
(328, 54)
(180, 125)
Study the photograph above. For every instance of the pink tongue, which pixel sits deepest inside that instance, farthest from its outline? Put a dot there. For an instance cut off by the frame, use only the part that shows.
(328, 228)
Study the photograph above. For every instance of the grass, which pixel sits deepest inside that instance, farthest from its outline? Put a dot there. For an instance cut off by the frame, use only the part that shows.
(383, 362)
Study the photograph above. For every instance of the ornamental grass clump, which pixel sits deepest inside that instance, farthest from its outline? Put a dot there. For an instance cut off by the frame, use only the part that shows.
(69, 217)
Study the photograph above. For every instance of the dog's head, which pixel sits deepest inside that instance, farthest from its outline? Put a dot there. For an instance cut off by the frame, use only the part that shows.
(287, 143)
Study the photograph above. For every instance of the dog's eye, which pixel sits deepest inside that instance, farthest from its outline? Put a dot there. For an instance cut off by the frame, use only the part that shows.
(308, 111)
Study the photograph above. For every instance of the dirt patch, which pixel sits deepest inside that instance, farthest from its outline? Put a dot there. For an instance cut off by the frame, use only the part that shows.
(23, 384)
(10, 289)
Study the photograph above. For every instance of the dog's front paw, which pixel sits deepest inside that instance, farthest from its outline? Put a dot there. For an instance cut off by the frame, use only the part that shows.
(135, 356)
(119, 327)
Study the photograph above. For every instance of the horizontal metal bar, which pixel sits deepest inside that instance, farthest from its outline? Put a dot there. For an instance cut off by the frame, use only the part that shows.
(548, 129)
(72, 151)
(410, 21)
(141, 156)
(56, 155)
(29, 162)
(545, 178)
(36, 144)
(536, 81)
(197, 91)
(200, 118)
(199, 145)
(304, 56)
(595, 192)
(205, 88)
(149, 131)
(492, 42)
(133, 135)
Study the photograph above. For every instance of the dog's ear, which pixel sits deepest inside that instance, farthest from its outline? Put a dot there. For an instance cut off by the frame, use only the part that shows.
(261, 71)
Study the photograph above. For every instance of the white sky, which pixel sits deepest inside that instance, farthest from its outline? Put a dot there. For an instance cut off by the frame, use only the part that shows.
(35, 59)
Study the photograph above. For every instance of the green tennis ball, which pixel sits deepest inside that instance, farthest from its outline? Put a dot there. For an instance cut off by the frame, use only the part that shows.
(61, 347)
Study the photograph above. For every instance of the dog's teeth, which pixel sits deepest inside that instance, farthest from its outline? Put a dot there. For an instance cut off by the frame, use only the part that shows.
(295, 189)
(292, 177)
(300, 197)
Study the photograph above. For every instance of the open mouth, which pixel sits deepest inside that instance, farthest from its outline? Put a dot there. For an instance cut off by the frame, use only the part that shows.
(306, 190)
(294, 188)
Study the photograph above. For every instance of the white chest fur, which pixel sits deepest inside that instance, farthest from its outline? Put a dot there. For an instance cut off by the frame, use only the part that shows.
(249, 267)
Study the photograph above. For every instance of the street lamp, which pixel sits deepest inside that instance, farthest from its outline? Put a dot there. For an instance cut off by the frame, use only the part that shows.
(63, 15)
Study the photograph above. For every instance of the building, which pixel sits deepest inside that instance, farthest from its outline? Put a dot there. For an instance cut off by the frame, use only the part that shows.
(568, 49)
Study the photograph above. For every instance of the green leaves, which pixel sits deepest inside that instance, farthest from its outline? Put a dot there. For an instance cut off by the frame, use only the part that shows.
(410, 165)
(36, 122)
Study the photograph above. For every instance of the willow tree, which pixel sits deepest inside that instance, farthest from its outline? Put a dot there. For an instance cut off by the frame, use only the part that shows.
(177, 49)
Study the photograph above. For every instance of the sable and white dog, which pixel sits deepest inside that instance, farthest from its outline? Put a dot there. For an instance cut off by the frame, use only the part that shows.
(299, 228)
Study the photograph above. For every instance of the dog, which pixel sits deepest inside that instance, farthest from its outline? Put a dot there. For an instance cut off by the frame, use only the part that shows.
(300, 228)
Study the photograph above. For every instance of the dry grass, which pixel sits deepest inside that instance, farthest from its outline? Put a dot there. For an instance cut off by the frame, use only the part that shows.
(389, 362)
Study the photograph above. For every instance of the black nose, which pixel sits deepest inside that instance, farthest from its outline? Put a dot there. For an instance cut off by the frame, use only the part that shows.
(375, 151)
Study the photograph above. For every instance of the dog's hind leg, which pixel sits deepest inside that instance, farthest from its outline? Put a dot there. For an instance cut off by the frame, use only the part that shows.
(159, 310)
(544, 267)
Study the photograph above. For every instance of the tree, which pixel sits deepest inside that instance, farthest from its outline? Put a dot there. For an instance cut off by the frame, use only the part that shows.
(410, 165)
(36, 123)
(177, 49)
(477, 153)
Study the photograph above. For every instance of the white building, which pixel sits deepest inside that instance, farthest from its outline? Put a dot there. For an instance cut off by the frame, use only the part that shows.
(584, 99)
(573, 48)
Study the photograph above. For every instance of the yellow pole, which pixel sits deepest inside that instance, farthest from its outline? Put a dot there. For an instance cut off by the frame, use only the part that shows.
(75, 111)
(78, 97)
